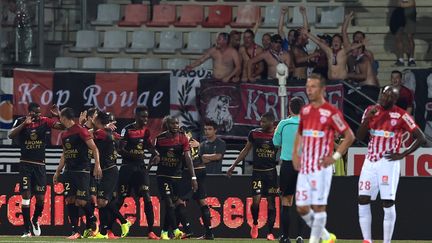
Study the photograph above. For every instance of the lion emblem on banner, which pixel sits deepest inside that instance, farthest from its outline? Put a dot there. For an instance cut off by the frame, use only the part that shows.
(217, 111)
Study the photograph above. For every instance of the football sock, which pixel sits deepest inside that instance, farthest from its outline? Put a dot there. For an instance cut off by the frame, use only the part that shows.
(309, 218)
(271, 212)
(26, 216)
(255, 211)
(389, 223)
(148, 209)
(180, 212)
(285, 220)
(115, 212)
(38, 211)
(365, 220)
(318, 224)
(73, 216)
(205, 212)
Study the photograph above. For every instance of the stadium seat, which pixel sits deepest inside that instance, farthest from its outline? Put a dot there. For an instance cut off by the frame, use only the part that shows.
(170, 42)
(198, 42)
(218, 16)
(297, 19)
(135, 15)
(86, 41)
(207, 65)
(177, 63)
(150, 63)
(114, 41)
(66, 62)
(107, 14)
(123, 63)
(142, 42)
(163, 15)
(331, 17)
(93, 63)
(271, 16)
(247, 16)
(190, 16)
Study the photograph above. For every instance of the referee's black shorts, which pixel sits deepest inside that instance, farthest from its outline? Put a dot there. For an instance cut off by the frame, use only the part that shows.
(288, 178)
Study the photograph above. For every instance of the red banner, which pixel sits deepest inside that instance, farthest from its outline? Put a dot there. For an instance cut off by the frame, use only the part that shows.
(119, 93)
(237, 108)
(418, 163)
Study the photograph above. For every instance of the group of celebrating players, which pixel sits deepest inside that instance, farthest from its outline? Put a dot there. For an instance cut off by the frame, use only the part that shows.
(306, 140)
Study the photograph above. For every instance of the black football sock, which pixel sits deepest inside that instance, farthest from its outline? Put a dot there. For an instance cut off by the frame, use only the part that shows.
(148, 209)
(285, 220)
(181, 216)
(73, 212)
(205, 212)
(26, 216)
(115, 212)
(255, 211)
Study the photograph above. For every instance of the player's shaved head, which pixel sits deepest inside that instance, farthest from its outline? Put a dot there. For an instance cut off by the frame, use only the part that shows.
(389, 96)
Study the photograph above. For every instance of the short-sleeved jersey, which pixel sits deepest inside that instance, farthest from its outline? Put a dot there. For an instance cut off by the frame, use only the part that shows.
(386, 128)
(76, 154)
(263, 150)
(137, 140)
(317, 127)
(105, 142)
(33, 139)
(171, 148)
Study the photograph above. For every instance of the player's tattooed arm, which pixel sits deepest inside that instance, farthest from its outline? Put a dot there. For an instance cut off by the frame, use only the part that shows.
(240, 158)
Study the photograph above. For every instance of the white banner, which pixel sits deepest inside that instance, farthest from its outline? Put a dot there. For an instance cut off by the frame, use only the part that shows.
(183, 96)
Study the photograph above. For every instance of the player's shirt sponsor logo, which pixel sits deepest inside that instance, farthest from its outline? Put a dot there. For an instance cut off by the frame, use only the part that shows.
(409, 121)
(313, 133)
(382, 133)
(339, 123)
(394, 115)
(324, 112)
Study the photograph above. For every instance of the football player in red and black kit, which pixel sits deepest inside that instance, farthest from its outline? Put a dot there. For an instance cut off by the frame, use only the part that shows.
(105, 140)
(264, 174)
(173, 148)
(31, 134)
(76, 142)
(87, 119)
(133, 175)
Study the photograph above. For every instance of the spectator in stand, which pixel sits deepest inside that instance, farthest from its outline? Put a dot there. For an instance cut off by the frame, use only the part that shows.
(226, 60)
(358, 37)
(9, 9)
(287, 40)
(410, 14)
(336, 55)
(235, 39)
(247, 51)
(364, 75)
(266, 41)
(320, 61)
(272, 58)
(406, 97)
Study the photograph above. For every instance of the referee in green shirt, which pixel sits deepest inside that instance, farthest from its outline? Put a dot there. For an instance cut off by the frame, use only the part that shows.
(284, 137)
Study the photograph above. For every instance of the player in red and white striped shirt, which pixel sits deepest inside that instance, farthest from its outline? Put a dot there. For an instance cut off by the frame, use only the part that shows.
(385, 124)
(319, 122)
